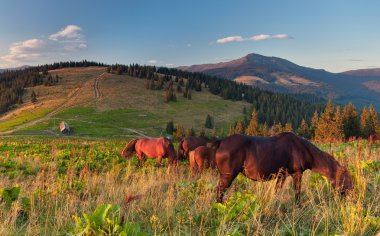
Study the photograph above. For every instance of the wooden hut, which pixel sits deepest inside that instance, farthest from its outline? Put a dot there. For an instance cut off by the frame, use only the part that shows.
(64, 128)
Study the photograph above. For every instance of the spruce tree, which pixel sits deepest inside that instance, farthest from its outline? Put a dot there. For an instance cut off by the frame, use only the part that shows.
(288, 127)
(239, 128)
(208, 122)
(264, 131)
(365, 118)
(303, 130)
(351, 123)
(253, 126)
(33, 97)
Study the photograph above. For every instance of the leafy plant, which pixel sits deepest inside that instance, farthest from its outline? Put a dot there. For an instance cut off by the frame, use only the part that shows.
(104, 221)
(238, 207)
(10, 194)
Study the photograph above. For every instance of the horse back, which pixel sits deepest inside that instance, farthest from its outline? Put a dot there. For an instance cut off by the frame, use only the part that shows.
(152, 147)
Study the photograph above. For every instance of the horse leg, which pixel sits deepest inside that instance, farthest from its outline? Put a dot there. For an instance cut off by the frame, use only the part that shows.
(225, 181)
(159, 159)
(280, 180)
(297, 178)
(141, 158)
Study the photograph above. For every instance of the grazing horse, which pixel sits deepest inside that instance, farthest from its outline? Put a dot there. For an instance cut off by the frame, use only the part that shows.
(152, 148)
(265, 158)
(189, 144)
(200, 158)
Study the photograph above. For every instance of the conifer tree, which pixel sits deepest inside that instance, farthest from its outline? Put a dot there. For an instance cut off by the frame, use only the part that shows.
(253, 127)
(351, 124)
(264, 131)
(329, 128)
(314, 123)
(288, 127)
(209, 122)
(239, 128)
(33, 97)
(303, 130)
(365, 118)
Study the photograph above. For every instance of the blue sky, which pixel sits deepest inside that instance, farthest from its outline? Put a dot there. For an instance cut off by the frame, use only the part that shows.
(334, 35)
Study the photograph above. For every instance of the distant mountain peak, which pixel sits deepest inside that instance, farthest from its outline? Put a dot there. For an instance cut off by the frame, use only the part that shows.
(281, 75)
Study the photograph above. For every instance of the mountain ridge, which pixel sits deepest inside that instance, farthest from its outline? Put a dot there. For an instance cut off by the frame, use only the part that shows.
(281, 75)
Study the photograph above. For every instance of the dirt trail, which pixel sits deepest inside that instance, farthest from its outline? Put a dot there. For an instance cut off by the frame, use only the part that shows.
(97, 93)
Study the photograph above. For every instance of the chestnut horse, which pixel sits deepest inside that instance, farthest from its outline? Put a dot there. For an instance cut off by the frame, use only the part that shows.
(265, 158)
(152, 148)
(200, 158)
(188, 144)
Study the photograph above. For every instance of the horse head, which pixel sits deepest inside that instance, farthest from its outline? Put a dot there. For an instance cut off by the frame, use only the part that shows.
(343, 180)
(129, 148)
(170, 152)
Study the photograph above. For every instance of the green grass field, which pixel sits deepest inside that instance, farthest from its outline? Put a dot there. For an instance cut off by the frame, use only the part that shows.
(23, 118)
(65, 182)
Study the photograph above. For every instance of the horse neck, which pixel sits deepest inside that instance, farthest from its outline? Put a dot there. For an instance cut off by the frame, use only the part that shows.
(326, 165)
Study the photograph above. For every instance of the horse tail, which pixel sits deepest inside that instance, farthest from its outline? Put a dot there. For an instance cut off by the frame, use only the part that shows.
(180, 150)
(129, 148)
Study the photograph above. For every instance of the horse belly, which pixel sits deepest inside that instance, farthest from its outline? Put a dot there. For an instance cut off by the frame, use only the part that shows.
(260, 171)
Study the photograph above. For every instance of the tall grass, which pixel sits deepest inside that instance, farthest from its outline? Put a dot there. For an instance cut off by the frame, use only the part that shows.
(64, 178)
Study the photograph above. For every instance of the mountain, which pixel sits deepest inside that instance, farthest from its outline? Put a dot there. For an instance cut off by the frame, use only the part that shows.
(375, 72)
(277, 74)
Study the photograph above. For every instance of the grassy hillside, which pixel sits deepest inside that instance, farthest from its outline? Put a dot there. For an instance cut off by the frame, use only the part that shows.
(97, 103)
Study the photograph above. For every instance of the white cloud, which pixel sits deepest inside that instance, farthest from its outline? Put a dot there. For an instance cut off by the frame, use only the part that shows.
(69, 32)
(258, 37)
(22, 51)
(281, 36)
(152, 61)
(68, 39)
(169, 65)
(230, 39)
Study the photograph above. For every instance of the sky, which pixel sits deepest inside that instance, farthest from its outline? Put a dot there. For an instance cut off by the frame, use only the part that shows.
(336, 35)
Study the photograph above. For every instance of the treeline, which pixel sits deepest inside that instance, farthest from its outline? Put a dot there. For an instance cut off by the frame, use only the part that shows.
(13, 83)
(271, 107)
(331, 125)
(67, 64)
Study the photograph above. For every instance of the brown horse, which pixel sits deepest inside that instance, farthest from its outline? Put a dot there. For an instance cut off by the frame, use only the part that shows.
(200, 158)
(152, 148)
(265, 158)
(189, 144)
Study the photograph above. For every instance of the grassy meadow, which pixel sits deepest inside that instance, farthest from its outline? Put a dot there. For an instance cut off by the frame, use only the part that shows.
(62, 186)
